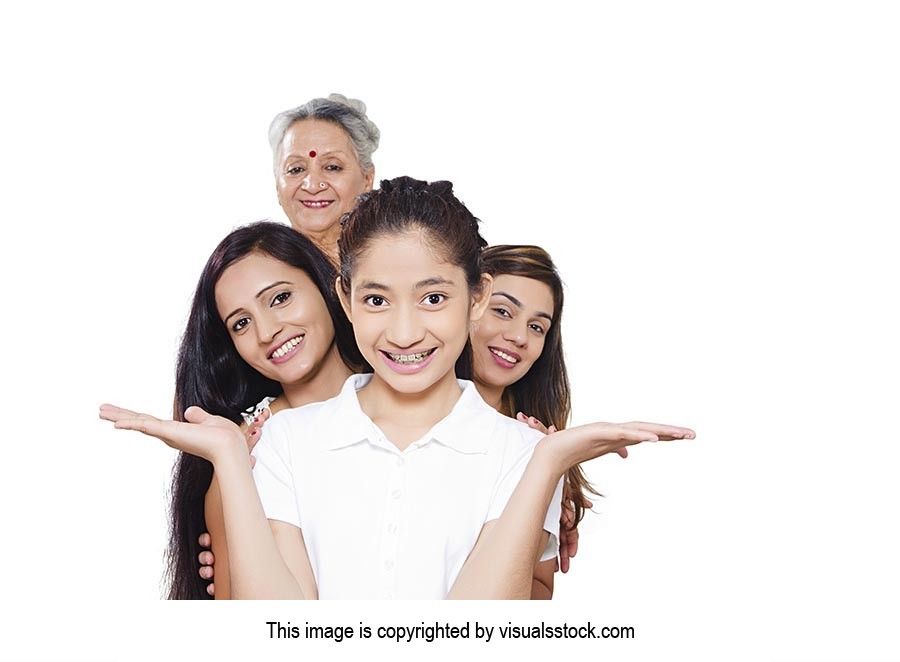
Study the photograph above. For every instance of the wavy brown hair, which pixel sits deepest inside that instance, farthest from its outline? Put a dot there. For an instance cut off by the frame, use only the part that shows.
(544, 390)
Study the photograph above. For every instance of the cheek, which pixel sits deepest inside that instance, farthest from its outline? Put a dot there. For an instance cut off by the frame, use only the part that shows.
(243, 346)
(484, 330)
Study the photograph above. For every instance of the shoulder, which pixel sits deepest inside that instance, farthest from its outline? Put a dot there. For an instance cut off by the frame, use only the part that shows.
(300, 416)
(333, 411)
(517, 439)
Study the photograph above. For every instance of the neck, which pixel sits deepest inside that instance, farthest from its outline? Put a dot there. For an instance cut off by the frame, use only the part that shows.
(491, 394)
(323, 383)
(327, 242)
(411, 411)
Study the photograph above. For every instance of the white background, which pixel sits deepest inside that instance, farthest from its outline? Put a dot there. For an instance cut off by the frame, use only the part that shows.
(718, 186)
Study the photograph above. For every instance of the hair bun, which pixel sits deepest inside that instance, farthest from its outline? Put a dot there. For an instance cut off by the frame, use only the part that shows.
(355, 104)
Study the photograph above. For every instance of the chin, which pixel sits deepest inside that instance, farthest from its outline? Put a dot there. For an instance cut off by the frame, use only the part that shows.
(315, 226)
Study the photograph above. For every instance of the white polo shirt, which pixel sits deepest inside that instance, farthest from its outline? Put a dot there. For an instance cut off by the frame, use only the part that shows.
(384, 523)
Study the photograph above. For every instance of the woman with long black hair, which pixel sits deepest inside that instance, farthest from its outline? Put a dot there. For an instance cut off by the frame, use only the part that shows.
(264, 321)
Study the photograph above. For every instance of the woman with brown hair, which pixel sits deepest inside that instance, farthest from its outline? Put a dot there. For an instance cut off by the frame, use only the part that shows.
(519, 365)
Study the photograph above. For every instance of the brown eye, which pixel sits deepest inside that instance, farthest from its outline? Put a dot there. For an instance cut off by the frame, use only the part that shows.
(435, 299)
(281, 297)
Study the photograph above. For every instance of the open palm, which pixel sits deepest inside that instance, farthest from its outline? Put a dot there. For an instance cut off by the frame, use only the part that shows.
(201, 433)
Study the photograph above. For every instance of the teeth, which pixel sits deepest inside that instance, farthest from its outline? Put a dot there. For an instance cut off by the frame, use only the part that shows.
(409, 358)
(316, 204)
(286, 347)
(504, 355)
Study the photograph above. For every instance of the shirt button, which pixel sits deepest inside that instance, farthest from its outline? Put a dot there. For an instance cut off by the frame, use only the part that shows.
(388, 565)
(399, 461)
(396, 494)
(392, 528)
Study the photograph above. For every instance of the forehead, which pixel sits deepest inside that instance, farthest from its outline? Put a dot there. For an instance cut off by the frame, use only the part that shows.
(319, 135)
(534, 295)
(243, 279)
(401, 261)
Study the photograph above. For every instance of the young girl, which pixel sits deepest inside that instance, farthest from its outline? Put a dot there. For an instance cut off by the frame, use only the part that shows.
(283, 288)
(423, 458)
(519, 366)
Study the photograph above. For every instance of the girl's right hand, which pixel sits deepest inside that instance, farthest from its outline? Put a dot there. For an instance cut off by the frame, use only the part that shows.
(567, 448)
(201, 434)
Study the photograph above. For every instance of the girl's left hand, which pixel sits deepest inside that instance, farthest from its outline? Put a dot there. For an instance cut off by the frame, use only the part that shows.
(535, 424)
(202, 434)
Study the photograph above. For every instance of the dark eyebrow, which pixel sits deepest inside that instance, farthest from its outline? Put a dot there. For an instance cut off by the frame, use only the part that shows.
(518, 304)
(258, 295)
(514, 300)
(372, 285)
(435, 280)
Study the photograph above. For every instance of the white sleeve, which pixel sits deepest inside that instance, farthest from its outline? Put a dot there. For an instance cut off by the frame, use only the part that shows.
(551, 523)
(504, 491)
(274, 474)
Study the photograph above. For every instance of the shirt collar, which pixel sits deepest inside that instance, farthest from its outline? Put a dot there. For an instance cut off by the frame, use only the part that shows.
(466, 429)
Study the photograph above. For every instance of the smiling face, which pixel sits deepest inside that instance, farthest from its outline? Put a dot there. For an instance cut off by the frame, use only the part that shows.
(411, 311)
(276, 317)
(510, 336)
(316, 191)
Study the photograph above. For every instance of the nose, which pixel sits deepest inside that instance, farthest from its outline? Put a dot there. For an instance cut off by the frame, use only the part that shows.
(267, 328)
(405, 328)
(517, 334)
(313, 184)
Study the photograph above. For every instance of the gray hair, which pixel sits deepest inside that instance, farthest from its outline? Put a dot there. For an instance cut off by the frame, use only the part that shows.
(349, 114)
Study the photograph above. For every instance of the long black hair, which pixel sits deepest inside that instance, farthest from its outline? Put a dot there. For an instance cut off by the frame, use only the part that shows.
(212, 375)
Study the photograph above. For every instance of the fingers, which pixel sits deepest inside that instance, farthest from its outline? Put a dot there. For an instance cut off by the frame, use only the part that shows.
(252, 437)
(573, 542)
(533, 423)
(664, 432)
(204, 540)
(211, 589)
(113, 413)
(206, 558)
(628, 434)
(623, 452)
(206, 572)
(254, 431)
(252, 462)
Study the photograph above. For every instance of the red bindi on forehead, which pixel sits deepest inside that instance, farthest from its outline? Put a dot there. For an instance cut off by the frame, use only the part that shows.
(312, 154)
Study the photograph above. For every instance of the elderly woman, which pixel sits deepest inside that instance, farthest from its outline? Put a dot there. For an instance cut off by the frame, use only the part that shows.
(323, 161)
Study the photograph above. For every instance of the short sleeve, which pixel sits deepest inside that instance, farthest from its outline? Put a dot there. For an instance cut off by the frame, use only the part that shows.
(551, 523)
(274, 474)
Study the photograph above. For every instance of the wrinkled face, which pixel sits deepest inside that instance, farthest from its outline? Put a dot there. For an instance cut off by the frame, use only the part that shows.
(410, 311)
(276, 317)
(318, 177)
(509, 338)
